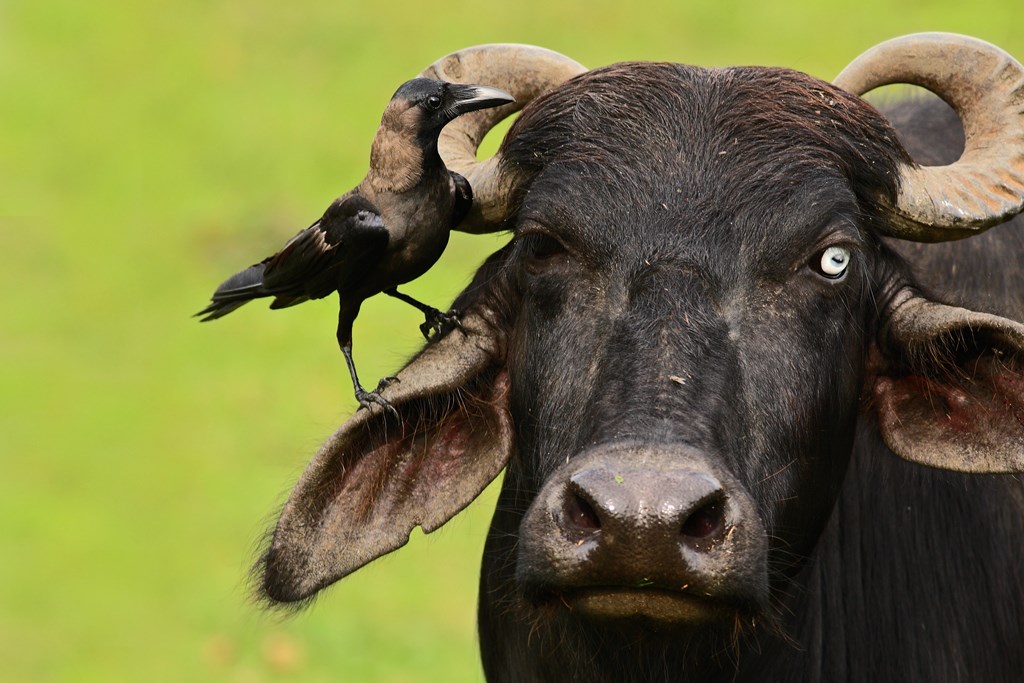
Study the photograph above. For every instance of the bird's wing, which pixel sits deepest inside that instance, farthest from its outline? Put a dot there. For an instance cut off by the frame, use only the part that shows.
(463, 198)
(311, 263)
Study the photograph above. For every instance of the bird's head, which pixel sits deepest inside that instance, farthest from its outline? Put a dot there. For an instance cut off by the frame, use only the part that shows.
(426, 106)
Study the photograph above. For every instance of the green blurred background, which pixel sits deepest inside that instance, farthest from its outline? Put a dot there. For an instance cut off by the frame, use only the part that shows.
(147, 150)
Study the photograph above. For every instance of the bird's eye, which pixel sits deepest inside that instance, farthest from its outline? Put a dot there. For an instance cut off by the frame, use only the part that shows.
(434, 102)
(832, 263)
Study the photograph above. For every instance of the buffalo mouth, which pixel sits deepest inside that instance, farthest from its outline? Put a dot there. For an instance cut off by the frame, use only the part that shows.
(684, 606)
(655, 604)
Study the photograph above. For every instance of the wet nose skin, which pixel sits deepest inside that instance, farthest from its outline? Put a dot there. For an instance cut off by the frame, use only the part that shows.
(643, 512)
(634, 530)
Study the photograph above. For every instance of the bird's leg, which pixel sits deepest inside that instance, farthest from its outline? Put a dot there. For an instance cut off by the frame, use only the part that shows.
(440, 323)
(365, 398)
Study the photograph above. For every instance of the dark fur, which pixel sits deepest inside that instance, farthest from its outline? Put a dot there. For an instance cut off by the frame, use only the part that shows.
(688, 201)
(663, 292)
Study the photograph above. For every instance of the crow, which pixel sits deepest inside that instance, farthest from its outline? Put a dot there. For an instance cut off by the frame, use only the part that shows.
(388, 230)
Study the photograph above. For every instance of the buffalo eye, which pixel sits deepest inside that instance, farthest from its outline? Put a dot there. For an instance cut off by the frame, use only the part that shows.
(434, 102)
(832, 263)
(542, 250)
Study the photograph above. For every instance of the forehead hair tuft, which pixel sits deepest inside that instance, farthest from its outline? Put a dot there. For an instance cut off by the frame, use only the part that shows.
(741, 131)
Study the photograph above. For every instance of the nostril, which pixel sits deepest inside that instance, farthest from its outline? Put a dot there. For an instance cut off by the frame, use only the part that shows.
(705, 524)
(581, 514)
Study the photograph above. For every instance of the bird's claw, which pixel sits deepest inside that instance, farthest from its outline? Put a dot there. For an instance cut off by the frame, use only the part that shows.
(440, 324)
(386, 382)
(368, 398)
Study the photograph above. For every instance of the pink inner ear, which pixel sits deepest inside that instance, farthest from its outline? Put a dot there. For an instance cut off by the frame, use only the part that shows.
(1010, 385)
(971, 420)
(417, 459)
(463, 430)
(454, 439)
(364, 479)
(451, 445)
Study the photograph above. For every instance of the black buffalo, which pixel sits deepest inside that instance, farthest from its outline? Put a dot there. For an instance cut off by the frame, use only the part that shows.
(747, 434)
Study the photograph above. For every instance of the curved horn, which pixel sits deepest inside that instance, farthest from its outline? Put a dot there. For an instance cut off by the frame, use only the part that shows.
(985, 86)
(525, 72)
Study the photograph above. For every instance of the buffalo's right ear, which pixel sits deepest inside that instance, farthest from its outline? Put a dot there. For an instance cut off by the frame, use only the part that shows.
(379, 477)
(952, 395)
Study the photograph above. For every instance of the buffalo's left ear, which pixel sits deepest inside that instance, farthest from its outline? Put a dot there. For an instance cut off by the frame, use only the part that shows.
(952, 395)
(380, 476)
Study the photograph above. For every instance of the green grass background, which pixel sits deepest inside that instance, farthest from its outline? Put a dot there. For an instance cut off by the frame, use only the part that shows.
(147, 150)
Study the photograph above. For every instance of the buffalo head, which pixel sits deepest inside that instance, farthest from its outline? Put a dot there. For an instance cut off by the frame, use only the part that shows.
(674, 354)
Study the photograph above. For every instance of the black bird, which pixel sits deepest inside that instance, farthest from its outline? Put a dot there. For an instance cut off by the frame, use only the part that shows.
(388, 230)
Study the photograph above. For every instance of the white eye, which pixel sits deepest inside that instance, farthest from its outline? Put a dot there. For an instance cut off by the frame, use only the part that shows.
(834, 262)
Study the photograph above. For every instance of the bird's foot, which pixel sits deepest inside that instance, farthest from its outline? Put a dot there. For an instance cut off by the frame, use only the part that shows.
(368, 398)
(440, 323)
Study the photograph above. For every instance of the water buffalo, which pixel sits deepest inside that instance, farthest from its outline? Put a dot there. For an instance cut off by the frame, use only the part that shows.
(754, 426)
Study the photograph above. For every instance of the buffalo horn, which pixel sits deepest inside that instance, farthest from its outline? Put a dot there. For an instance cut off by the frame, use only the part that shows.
(985, 86)
(525, 72)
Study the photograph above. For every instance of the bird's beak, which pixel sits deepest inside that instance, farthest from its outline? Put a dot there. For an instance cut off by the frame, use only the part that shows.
(468, 98)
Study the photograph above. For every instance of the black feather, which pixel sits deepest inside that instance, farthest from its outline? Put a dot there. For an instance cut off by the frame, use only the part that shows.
(316, 262)
(351, 250)
(463, 198)
(237, 290)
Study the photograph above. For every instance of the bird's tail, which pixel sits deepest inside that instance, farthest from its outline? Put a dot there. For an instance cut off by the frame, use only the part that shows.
(239, 289)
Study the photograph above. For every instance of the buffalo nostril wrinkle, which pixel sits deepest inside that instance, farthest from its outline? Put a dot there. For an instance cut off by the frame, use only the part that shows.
(704, 525)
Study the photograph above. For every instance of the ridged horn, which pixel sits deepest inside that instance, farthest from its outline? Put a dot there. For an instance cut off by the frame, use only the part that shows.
(525, 72)
(985, 86)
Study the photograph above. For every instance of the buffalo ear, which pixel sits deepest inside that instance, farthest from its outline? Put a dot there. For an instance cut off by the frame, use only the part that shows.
(378, 477)
(953, 394)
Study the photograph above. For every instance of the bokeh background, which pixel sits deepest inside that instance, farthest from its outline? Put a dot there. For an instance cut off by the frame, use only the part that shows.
(147, 150)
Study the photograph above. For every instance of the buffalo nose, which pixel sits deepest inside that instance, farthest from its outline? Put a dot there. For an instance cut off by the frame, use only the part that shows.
(640, 521)
(643, 507)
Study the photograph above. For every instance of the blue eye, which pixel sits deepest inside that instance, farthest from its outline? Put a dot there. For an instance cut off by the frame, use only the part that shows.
(834, 262)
